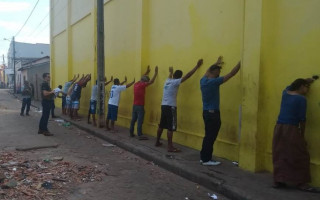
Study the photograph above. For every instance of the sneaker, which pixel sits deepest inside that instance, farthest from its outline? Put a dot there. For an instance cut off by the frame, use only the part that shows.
(211, 163)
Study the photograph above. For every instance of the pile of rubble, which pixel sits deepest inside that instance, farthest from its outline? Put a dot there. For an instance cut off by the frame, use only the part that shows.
(52, 178)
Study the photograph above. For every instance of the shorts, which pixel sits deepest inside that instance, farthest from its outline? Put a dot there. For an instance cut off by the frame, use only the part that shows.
(168, 118)
(64, 101)
(93, 107)
(68, 102)
(112, 112)
(75, 104)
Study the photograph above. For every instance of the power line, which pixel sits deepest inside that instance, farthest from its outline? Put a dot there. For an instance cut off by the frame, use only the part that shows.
(27, 18)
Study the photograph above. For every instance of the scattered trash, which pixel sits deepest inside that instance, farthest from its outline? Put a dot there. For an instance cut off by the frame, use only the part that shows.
(59, 120)
(88, 137)
(66, 124)
(212, 196)
(235, 163)
(170, 156)
(27, 179)
(108, 145)
(47, 185)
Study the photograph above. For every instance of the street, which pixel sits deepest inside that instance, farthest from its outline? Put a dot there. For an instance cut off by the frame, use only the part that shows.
(99, 170)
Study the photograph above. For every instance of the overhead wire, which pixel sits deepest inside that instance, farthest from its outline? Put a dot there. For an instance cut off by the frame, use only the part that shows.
(27, 19)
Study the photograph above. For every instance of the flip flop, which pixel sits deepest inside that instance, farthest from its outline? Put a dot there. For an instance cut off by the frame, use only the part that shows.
(174, 150)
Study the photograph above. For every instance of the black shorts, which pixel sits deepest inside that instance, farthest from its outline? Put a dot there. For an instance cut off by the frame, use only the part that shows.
(168, 118)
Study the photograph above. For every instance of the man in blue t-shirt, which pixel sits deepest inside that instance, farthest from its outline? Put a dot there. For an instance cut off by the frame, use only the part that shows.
(210, 84)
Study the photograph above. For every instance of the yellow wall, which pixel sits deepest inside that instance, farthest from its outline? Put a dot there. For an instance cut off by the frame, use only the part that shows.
(290, 50)
(276, 40)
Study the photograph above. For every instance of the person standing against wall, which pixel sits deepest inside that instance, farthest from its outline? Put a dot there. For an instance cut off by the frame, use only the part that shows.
(26, 98)
(93, 101)
(113, 102)
(169, 104)
(66, 87)
(291, 160)
(138, 102)
(210, 85)
(46, 95)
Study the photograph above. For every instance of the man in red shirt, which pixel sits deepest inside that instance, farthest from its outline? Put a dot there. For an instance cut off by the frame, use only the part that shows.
(138, 103)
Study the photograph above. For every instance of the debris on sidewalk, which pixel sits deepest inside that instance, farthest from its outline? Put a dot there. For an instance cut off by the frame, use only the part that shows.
(108, 145)
(59, 120)
(235, 163)
(36, 147)
(21, 178)
(212, 196)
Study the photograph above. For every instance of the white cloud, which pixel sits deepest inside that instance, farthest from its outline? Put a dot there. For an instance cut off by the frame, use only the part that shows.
(10, 26)
(13, 6)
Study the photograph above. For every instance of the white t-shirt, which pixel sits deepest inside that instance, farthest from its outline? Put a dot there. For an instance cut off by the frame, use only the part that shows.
(56, 92)
(115, 94)
(170, 92)
(94, 93)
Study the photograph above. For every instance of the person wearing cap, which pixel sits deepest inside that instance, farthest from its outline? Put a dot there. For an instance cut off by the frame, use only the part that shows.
(169, 104)
(113, 102)
(26, 98)
(210, 84)
(138, 102)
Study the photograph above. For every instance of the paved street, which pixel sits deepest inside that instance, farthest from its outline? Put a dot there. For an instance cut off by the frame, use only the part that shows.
(125, 176)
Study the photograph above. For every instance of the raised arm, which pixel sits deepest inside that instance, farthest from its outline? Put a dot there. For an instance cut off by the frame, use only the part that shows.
(107, 82)
(219, 63)
(233, 72)
(148, 71)
(128, 85)
(125, 80)
(189, 74)
(170, 72)
(75, 78)
(154, 76)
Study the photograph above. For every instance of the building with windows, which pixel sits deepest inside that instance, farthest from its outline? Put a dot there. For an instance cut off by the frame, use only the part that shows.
(276, 41)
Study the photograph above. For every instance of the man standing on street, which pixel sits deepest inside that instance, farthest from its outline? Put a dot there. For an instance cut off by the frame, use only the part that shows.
(169, 104)
(26, 98)
(138, 102)
(46, 95)
(210, 84)
(113, 102)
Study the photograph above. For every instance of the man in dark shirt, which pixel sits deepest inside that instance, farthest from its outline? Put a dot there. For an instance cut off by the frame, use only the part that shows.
(46, 95)
(210, 85)
(26, 98)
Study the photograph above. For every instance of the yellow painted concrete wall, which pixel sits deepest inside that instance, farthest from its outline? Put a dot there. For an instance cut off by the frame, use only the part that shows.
(275, 39)
(290, 49)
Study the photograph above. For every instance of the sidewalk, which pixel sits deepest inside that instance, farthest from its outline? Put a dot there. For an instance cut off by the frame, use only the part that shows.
(226, 178)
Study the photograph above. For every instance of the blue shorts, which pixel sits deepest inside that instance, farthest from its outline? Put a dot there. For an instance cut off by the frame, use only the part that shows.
(112, 112)
(64, 101)
(75, 104)
(68, 102)
(93, 107)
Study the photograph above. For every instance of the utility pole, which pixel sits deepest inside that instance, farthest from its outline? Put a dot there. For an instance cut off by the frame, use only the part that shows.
(14, 66)
(4, 72)
(100, 62)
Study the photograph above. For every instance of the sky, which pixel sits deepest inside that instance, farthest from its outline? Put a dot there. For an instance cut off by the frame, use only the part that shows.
(13, 15)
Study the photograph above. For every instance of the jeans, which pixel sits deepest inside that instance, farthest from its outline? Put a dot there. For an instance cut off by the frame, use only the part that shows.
(212, 123)
(25, 102)
(137, 114)
(46, 107)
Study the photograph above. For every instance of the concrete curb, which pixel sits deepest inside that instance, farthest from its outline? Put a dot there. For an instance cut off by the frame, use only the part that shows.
(212, 183)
